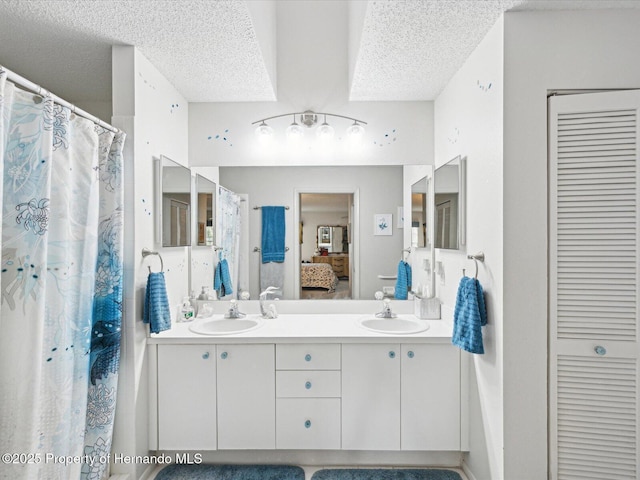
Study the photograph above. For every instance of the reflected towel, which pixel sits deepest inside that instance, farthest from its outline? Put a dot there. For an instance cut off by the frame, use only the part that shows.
(156, 304)
(222, 279)
(403, 281)
(273, 230)
(469, 316)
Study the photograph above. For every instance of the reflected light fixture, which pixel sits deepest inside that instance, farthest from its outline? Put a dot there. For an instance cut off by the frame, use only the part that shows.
(308, 118)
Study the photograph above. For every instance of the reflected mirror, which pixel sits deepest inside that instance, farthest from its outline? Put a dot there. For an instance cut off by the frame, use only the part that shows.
(419, 195)
(449, 191)
(205, 211)
(174, 190)
(332, 239)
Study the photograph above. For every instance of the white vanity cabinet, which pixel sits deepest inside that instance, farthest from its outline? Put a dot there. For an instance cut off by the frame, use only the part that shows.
(400, 396)
(186, 397)
(430, 397)
(308, 396)
(246, 396)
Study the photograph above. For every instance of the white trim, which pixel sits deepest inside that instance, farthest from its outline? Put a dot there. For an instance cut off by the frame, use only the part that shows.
(467, 471)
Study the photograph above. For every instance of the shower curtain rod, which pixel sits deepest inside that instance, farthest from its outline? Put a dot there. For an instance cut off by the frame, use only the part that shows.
(23, 82)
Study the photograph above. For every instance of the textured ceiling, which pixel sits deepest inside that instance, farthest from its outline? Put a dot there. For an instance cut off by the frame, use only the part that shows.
(207, 49)
(210, 51)
(410, 49)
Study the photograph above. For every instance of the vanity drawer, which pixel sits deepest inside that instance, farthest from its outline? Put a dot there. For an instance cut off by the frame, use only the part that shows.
(308, 423)
(308, 383)
(310, 356)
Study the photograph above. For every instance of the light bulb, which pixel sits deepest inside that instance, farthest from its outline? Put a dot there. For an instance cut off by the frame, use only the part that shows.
(264, 132)
(295, 132)
(325, 132)
(355, 131)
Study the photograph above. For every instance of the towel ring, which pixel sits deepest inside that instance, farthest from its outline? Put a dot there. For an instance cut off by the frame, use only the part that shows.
(476, 258)
(146, 252)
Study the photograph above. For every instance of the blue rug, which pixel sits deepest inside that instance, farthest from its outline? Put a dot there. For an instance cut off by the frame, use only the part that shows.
(384, 474)
(230, 472)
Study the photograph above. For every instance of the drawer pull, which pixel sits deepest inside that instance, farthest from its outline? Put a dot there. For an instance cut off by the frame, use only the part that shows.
(307, 385)
(410, 354)
(224, 355)
(392, 354)
(307, 357)
(307, 424)
(600, 350)
(205, 355)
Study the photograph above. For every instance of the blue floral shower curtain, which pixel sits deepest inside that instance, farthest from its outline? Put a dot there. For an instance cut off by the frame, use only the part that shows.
(61, 288)
(229, 224)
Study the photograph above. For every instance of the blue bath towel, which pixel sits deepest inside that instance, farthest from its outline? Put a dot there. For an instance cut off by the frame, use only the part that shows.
(403, 281)
(156, 304)
(273, 228)
(222, 279)
(469, 316)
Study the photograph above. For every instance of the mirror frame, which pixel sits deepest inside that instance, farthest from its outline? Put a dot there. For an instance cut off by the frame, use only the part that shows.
(160, 164)
(462, 202)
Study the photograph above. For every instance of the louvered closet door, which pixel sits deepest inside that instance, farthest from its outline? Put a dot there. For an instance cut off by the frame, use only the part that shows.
(593, 252)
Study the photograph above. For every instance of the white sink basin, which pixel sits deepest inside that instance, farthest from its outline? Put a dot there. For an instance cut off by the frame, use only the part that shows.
(396, 326)
(225, 326)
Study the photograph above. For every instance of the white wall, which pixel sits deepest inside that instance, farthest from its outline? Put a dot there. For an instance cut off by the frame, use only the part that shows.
(155, 117)
(543, 51)
(380, 191)
(468, 122)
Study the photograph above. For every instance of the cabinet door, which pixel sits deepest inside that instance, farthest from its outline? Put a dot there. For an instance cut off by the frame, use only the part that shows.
(371, 397)
(186, 397)
(430, 406)
(246, 397)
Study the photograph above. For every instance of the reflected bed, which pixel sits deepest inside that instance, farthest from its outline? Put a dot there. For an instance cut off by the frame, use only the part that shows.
(318, 275)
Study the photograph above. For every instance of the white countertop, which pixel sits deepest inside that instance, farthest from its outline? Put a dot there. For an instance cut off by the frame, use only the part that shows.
(308, 328)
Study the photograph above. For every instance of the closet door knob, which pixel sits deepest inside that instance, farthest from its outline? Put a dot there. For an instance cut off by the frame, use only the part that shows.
(600, 350)
(224, 355)
(205, 355)
(410, 354)
(392, 354)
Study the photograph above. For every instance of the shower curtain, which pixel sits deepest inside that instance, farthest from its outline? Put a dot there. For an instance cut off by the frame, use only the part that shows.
(229, 227)
(61, 288)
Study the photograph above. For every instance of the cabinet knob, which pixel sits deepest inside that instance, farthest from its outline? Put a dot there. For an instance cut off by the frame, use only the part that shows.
(392, 354)
(205, 355)
(307, 385)
(600, 350)
(224, 355)
(307, 424)
(307, 357)
(410, 354)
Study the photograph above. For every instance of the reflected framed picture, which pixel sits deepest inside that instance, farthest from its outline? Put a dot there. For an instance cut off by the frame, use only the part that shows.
(383, 224)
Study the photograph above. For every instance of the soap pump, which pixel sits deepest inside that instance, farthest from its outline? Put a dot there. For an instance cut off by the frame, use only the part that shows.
(186, 311)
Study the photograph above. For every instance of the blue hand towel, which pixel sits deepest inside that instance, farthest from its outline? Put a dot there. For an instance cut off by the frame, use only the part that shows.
(222, 279)
(156, 304)
(469, 316)
(403, 281)
(273, 229)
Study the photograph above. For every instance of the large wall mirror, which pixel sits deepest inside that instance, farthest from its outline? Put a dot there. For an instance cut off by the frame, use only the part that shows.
(174, 204)
(450, 205)
(205, 211)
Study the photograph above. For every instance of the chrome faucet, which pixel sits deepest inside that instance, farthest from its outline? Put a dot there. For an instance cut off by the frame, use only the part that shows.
(233, 310)
(271, 312)
(386, 310)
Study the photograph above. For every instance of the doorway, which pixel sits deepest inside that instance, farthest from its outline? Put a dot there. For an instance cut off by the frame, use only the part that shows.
(326, 245)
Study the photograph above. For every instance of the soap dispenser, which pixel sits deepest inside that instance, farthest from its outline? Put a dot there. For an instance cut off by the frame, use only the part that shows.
(186, 311)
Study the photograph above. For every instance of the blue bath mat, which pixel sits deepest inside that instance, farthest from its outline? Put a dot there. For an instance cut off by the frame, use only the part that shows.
(384, 474)
(230, 472)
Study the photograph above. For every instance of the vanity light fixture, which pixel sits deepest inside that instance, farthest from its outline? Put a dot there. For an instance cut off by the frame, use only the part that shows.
(308, 118)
